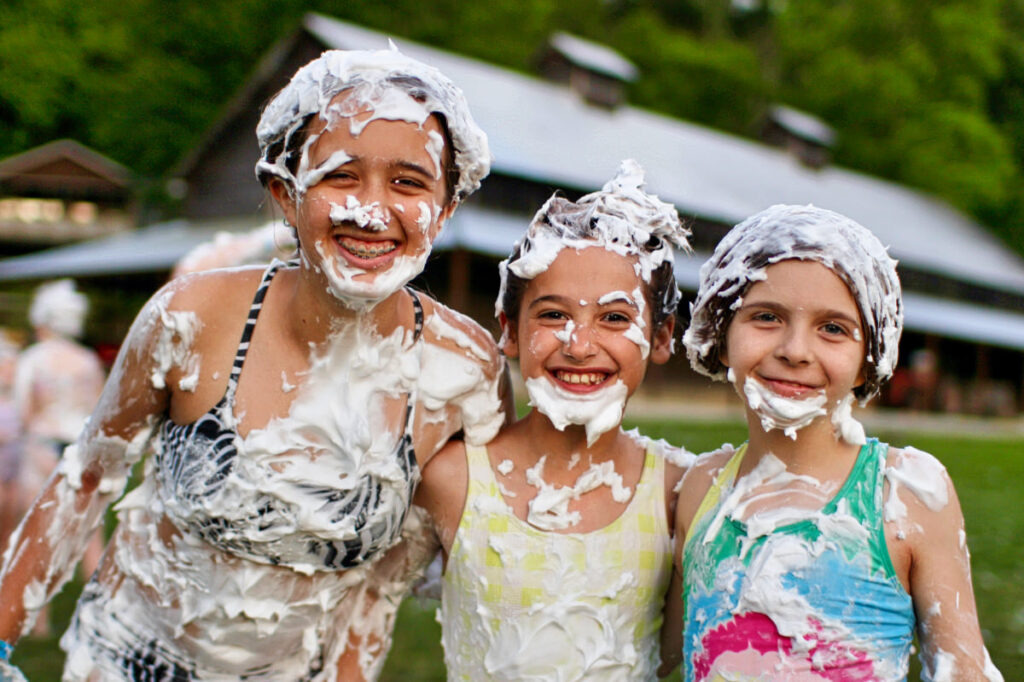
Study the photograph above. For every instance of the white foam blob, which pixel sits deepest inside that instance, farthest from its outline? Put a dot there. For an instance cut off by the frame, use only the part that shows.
(549, 508)
(780, 413)
(369, 217)
(598, 411)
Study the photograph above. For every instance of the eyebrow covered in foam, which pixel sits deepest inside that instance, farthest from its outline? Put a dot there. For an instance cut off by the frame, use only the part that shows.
(617, 297)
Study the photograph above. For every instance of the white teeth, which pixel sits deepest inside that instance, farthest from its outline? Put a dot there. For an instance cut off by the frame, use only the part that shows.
(585, 378)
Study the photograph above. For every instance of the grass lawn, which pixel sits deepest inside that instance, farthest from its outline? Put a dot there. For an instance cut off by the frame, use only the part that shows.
(989, 476)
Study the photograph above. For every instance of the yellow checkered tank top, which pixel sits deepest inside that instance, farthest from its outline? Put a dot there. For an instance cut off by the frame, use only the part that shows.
(519, 603)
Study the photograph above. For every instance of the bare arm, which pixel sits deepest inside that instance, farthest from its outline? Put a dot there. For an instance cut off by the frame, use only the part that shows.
(672, 626)
(442, 492)
(691, 490)
(367, 614)
(939, 572)
(463, 385)
(45, 548)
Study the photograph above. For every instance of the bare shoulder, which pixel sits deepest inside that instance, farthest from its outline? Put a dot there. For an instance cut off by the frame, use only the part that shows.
(451, 330)
(212, 290)
(677, 461)
(449, 461)
(200, 314)
(205, 308)
(919, 494)
(707, 465)
(697, 481)
(917, 477)
(442, 490)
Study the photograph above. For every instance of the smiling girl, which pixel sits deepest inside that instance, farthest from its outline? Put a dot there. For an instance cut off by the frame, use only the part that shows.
(557, 533)
(288, 410)
(813, 552)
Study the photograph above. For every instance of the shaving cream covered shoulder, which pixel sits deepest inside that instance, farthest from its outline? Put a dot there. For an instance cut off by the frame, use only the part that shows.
(217, 610)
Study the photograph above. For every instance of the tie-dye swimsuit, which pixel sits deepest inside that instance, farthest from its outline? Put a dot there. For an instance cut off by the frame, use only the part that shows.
(817, 599)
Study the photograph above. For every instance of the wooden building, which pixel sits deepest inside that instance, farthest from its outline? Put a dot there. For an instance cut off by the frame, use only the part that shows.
(964, 290)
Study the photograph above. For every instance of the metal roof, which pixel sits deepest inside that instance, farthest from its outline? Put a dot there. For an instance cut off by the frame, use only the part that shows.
(160, 247)
(153, 248)
(542, 131)
(595, 57)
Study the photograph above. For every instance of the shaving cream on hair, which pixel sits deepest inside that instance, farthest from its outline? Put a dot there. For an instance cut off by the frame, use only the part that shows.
(57, 306)
(805, 233)
(393, 86)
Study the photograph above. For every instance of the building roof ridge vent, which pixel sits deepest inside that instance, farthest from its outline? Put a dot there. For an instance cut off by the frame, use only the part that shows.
(594, 56)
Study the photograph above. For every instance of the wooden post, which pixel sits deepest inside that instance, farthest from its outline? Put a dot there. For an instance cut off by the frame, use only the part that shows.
(458, 279)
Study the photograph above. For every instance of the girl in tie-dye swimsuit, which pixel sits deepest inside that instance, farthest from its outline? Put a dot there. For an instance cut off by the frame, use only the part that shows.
(813, 552)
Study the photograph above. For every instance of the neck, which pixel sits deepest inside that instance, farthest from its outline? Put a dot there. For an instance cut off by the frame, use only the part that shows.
(315, 314)
(563, 444)
(816, 451)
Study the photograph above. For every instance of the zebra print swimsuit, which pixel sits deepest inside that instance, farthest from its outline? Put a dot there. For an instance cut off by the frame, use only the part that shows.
(194, 462)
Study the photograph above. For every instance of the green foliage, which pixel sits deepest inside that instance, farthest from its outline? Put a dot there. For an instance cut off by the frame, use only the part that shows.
(712, 81)
(929, 94)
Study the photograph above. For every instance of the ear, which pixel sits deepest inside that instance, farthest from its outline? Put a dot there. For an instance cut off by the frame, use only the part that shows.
(509, 340)
(442, 218)
(661, 343)
(283, 196)
(862, 376)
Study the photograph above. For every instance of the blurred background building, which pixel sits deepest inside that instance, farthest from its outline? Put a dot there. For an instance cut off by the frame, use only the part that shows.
(566, 128)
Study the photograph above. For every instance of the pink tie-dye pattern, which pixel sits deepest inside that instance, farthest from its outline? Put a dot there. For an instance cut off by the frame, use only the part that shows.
(756, 633)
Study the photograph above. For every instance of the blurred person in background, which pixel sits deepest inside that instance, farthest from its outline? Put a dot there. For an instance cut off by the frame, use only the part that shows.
(57, 384)
(10, 440)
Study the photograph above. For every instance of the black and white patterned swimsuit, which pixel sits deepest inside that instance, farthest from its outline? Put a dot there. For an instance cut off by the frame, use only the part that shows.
(196, 462)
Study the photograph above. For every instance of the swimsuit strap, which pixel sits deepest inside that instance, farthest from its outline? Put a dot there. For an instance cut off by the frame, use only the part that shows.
(250, 324)
(417, 309)
(417, 331)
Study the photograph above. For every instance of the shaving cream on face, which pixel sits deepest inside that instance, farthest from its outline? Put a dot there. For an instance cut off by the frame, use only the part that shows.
(598, 411)
(622, 218)
(348, 284)
(627, 221)
(781, 233)
(778, 412)
(372, 217)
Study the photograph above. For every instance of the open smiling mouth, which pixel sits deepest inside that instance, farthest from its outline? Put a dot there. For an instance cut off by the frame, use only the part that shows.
(580, 379)
(366, 250)
(788, 389)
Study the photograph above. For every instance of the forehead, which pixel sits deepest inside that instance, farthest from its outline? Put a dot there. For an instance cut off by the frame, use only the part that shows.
(806, 283)
(586, 274)
(399, 140)
(351, 122)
